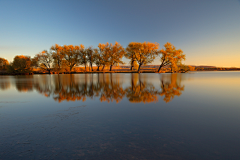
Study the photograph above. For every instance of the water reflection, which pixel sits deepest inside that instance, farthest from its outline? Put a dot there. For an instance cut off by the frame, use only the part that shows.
(24, 83)
(171, 88)
(135, 87)
(141, 91)
(5, 83)
(201, 124)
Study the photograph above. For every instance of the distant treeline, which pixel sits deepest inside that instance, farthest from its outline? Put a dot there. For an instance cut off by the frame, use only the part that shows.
(216, 69)
(64, 58)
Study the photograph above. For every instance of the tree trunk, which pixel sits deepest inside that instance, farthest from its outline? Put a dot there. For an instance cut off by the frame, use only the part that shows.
(85, 67)
(139, 67)
(132, 66)
(110, 68)
(91, 66)
(160, 67)
(103, 68)
(98, 68)
(71, 67)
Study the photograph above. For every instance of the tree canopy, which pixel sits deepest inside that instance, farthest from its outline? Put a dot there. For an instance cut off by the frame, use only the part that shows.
(21, 64)
(116, 52)
(3, 63)
(143, 53)
(171, 56)
(66, 57)
(45, 60)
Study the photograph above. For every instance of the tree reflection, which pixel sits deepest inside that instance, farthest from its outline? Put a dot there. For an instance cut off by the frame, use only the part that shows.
(141, 91)
(5, 83)
(171, 88)
(105, 87)
(68, 89)
(111, 90)
(24, 83)
(43, 85)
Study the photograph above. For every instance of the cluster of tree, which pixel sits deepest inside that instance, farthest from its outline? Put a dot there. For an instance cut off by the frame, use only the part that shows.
(186, 68)
(64, 58)
(106, 87)
(21, 64)
(3, 64)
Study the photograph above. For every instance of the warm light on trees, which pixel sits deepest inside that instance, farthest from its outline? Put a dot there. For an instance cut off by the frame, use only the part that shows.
(135, 65)
(90, 57)
(131, 52)
(171, 56)
(45, 60)
(57, 57)
(64, 58)
(21, 64)
(116, 52)
(71, 55)
(143, 53)
(191, 68)
(104, 53)
(83, 56)
(3, 63)
(97, 59)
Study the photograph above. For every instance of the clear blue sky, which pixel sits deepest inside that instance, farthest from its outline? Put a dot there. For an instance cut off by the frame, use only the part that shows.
(208, 31)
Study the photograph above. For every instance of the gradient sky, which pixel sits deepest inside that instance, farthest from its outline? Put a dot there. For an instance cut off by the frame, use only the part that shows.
(208, 31)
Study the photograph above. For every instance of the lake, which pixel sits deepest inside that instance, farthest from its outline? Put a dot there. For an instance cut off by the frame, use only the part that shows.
(120, 116)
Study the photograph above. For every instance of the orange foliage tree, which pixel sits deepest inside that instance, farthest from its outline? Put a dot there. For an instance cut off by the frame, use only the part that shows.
(21, 64)
(45, 60)
(97, 58)
(104, 50)
(57, 57)
(3, 63)
(170, 56)
(131, 52)
(90, 57)
(139, 53)
(71, 55)
(143, 53)
(116, 54)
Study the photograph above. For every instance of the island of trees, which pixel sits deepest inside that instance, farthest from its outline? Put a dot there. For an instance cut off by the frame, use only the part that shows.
(72, 59)
(105, 58)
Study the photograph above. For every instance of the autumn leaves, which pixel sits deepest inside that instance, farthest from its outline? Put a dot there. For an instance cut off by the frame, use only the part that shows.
(109, 54)
(65, 58)
(145, 53)
(68, 56)
(171, 56)
(142, 53)
(3, 64)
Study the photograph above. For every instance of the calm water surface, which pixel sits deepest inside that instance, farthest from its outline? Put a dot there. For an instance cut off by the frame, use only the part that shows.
(120, 116)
